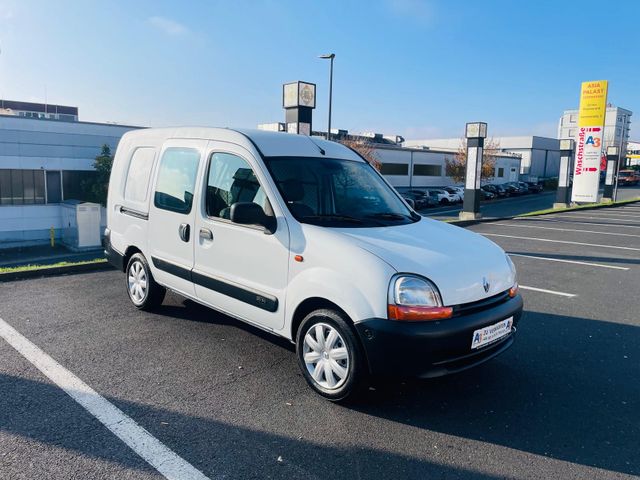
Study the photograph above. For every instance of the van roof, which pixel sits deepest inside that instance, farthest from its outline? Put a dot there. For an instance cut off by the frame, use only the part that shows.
(269, 144)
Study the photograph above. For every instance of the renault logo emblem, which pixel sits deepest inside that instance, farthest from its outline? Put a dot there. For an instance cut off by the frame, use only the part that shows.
(485, 284)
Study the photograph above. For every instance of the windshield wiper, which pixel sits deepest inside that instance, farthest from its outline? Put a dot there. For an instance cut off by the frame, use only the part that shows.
(390, 216)
(342, 218)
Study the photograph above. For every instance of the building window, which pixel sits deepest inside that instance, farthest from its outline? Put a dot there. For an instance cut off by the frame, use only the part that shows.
(572, 133)
(21, 187)
(500, 172)
(394, 169)
(572, 118)
(54, 187)
(75, 184)
(427, 170)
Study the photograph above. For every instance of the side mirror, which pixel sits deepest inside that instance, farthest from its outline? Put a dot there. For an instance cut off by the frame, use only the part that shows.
(249, 213)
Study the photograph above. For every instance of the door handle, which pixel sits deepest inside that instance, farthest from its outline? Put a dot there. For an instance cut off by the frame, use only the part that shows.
(183, 231)
(206, 234)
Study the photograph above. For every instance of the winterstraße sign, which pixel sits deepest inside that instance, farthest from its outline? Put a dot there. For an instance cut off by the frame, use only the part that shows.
(586, 170)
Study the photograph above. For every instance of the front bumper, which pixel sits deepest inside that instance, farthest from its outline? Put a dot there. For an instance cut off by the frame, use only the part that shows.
(436, 348)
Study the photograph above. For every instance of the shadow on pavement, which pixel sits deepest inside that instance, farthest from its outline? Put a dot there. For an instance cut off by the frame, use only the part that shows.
(43, 413)
(567, 389)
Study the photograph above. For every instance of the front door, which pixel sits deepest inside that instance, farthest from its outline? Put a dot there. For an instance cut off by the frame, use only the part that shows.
(239, 269)
(171, 214)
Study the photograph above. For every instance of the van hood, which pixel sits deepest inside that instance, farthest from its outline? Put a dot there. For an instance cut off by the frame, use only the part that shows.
(458, 261)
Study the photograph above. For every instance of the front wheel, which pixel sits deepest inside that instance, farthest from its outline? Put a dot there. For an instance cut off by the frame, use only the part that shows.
(143, 290)
(330, 355)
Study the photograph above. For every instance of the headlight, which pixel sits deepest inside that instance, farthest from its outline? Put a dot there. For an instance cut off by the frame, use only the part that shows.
(513, 291)
(415, 298)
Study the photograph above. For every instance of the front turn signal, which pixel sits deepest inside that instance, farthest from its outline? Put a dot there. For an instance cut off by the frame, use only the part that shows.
(417, 314)
(513, 291)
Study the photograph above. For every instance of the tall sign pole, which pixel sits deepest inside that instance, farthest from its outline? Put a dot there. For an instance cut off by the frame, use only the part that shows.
(613, 158)
(475, 134)
(298, 101)
(566, 157)
(586, 171)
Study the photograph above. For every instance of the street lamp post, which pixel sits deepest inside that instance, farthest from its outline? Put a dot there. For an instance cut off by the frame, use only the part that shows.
(566, 155)
(475, 134)
(329, 56)
(613, 153)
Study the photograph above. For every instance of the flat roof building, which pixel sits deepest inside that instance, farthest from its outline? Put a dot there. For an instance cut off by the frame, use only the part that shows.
(43, 162)
(617, 124)
(39, 110)
(540, 156)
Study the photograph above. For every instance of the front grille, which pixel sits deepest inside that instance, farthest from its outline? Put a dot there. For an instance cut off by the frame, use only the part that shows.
(484, 304)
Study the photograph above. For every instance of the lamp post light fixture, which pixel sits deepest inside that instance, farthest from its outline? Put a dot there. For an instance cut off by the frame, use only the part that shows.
(613, 157)
(329, 56)
(475, 133)
(563, 195)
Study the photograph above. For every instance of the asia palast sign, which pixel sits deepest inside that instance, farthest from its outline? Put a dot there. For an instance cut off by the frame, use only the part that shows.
(586, 171)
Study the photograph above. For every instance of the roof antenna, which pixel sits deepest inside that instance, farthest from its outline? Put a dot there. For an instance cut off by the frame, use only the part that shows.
(319, 147)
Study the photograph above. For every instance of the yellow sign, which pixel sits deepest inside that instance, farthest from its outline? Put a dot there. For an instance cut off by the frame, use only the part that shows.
(593, 103)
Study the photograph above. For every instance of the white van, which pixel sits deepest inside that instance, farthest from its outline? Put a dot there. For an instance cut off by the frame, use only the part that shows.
(303, 238)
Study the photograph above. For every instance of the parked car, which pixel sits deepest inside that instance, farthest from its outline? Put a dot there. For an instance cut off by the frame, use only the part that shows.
(304, 239)
(443, 197)
(513, 188)
(535, 187)
(417, 200)
(451, 190)
(459, 190)
(497, 190)
(524, 186)
(486, 194)
(425, 199)
(628, 177)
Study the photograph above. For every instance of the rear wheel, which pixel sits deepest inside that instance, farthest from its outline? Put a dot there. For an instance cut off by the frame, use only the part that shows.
(143, 290)
(329, 355)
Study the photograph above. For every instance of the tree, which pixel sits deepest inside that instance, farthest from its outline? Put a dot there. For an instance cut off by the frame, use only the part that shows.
(456, 167)
(365, 149)
(96, 188)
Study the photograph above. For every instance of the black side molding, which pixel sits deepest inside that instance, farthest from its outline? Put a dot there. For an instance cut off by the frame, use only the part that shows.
(134, 213)
(260, 300)
(171, 268)
(257, 299)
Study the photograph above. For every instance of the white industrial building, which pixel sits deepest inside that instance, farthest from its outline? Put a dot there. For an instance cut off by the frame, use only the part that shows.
(617, 124)
(419, 167)
(539, 156)
(43, 162)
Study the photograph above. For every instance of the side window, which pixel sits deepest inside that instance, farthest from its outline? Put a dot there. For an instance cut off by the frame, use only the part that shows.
(137, 184)
(231, 180)
(176, 179)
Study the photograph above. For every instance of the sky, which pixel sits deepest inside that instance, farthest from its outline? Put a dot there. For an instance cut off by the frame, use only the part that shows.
(416, 68)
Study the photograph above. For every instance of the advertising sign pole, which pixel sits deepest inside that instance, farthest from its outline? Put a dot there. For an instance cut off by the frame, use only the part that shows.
(475, 134)
(566, 156)
(613, 154)
(586, 170)
(298, 101)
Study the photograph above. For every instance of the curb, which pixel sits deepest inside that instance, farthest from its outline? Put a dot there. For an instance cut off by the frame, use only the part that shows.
(55, 271)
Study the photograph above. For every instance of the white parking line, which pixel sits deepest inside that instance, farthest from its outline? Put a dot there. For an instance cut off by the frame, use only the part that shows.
(598, 217)
(550, 259)
(154, 452)
(540, 219)
(614, 213)
(565, 229)
(562, 241)
(552, 292)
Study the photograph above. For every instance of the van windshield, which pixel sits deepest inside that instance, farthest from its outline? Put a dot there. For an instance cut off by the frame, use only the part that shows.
(337, 193)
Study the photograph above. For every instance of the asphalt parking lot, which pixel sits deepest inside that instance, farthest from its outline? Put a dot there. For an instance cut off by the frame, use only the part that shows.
(563, 402)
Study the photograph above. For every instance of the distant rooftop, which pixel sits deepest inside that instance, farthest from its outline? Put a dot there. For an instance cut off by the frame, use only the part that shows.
(44, 108)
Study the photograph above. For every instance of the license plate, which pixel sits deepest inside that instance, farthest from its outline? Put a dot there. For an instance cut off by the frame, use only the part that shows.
(491, 333)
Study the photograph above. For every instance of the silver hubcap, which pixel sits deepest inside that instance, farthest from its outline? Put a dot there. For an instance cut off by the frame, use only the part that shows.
(137, 279)
(326, 356)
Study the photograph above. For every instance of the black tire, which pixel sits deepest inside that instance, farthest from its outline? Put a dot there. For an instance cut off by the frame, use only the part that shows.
(153, 294)
(357, 373)
(444, 201)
